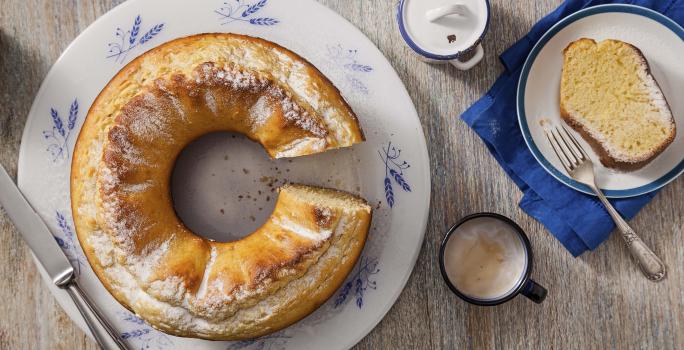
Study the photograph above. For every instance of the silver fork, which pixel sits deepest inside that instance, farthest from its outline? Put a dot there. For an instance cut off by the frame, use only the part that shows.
(579, 167)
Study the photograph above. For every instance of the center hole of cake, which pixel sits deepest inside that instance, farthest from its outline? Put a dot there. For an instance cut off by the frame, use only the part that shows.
(224, 186)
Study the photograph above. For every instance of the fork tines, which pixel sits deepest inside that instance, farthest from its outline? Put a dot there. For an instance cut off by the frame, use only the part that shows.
(566, 147)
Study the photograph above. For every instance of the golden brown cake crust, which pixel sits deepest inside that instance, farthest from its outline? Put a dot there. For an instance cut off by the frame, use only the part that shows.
(181, 283)
(604, 156)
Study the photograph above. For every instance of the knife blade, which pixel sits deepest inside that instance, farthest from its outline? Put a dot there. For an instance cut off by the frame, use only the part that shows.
(35, 232)
(43, 244)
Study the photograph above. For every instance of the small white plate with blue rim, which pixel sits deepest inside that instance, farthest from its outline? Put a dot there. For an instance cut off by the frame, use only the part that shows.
(218, 183)
(662, 42)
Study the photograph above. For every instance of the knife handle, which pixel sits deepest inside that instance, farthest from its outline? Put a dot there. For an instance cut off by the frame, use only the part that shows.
(103, 332)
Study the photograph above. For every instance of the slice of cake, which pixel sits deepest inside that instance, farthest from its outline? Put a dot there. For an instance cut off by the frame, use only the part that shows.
(609, 96)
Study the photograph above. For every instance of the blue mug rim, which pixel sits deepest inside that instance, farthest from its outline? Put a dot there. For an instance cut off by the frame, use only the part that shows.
(523, 281)
(434, 56)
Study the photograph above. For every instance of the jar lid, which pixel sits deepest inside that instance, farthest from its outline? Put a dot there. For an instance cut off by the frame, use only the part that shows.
(443, 29)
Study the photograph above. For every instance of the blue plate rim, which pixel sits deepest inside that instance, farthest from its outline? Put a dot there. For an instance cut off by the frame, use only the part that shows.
(522, 83)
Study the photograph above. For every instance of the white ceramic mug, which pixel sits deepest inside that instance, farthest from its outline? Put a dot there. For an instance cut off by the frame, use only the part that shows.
(445, 31)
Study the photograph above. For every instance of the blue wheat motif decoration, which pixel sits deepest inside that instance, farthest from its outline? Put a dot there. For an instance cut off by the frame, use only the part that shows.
(354, 70)
(127, 40)
(242, 11)
(360, 281)
(58, 136)
(394, 170)
(275, 341)
(67, 242)
(139, 333)
(389, 193)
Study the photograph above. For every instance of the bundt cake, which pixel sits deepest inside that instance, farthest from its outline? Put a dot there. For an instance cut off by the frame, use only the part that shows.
(151, 263)
(609, 96)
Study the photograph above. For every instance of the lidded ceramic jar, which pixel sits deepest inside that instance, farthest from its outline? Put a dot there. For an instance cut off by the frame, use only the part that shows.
(445, 31)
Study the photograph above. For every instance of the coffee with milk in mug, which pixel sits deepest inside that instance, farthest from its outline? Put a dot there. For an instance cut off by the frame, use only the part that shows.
(485, 258)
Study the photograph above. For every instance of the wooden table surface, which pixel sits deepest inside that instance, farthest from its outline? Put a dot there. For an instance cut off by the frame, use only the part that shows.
(599, 300)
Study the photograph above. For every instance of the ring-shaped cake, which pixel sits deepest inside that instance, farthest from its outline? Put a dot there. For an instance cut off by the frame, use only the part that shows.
(154, 265)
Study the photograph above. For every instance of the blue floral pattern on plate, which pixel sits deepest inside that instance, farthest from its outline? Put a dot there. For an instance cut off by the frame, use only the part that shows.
(394, 170)
(354, 70)
(129, 39)
(67, 241)
(277, 341)
(361, 280)
(58, 136)
(241, 11)
(142, 335)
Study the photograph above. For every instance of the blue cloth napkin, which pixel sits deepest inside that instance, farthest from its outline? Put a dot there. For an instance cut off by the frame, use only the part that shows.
(577, 220)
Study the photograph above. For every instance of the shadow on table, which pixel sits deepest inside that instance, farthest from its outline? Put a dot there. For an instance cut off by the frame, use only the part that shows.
(21, 71)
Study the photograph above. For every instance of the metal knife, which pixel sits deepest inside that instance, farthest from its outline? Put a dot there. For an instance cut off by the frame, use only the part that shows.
(42, 243)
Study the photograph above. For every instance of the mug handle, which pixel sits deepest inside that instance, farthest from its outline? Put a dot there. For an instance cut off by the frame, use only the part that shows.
(534, 291)
(479, 54)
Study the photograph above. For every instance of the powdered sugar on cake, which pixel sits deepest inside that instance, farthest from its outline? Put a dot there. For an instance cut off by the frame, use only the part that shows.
(260, 112)
(229, 75)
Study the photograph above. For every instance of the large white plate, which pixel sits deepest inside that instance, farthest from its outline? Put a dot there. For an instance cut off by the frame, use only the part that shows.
(662, 42)
(217, 183)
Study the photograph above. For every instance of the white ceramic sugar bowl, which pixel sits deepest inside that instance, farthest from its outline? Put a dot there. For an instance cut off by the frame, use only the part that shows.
(445, 31)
